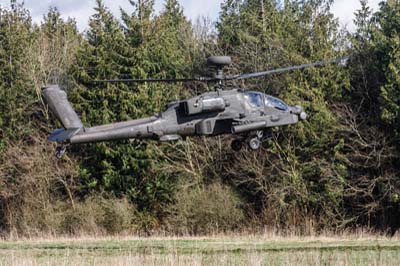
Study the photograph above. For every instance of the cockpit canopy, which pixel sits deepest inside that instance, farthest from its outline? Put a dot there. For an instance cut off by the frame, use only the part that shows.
(275, 103)
(254, 98)
(261, 100)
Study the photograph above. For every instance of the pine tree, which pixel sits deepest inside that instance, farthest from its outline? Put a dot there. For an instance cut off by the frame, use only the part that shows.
(365, 73)
(174, 14)
(16, 98)
(138, 24)
(176, 32)
(114, 51)
(268, 36)
(387, 39)
(110, 166)
(228, 23)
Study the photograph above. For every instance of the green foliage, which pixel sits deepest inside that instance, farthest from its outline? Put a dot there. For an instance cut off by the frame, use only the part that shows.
(206, 210)
(387, 40)
(142, 49)
(15, 96)
(372, 122)
(95, 215)
(117, 167)
(311, 174)
(337, 169)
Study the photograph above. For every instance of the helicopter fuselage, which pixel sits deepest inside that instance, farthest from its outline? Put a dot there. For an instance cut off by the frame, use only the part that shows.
(233, 111)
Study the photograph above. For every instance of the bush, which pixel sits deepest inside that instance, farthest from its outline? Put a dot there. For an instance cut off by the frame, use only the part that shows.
(97, 215)
(204, 210)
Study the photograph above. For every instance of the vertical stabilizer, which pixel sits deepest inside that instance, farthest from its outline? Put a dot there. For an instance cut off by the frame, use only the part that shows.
(61, 108)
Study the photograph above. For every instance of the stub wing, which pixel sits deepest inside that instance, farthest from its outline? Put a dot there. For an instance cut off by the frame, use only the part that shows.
(63, 135)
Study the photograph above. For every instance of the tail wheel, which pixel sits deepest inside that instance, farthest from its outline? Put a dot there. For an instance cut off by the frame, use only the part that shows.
(60, 151)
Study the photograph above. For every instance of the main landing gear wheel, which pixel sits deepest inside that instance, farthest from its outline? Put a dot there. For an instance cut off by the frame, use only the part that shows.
(254, 143)
(60, 151)
(255, 140)
(236, 145)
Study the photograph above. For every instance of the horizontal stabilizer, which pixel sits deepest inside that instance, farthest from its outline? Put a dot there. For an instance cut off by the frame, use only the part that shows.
(63, 135)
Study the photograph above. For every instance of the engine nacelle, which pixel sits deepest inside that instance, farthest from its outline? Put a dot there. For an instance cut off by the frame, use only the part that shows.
(203, 105)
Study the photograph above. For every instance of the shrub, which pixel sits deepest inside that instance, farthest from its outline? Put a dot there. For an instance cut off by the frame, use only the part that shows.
(204, 210)
(98, 215)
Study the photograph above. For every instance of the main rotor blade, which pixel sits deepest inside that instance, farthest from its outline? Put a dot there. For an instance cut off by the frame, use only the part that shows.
(340, 60)
(177, 80)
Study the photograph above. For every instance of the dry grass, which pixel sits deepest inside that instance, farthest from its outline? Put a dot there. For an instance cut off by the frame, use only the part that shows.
(216, 250)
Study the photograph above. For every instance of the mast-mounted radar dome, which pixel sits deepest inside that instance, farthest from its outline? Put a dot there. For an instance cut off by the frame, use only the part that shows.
(219, 61)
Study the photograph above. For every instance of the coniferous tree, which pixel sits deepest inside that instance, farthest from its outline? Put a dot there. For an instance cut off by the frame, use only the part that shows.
(111, 166)
(387, 40)
(276, 37)
(138, 24)
(123, 168)
(338, 168)
(228, 22)
(365, 72)
(15, 96)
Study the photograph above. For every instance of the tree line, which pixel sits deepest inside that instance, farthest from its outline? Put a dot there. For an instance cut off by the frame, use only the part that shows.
(336, 171)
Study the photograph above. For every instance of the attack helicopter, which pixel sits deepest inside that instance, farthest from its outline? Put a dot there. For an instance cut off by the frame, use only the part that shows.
(245, 114)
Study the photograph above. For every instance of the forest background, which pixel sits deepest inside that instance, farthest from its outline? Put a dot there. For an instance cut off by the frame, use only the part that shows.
(337, 171)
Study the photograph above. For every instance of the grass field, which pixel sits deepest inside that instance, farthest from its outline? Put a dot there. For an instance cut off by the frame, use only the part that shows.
(202, 251)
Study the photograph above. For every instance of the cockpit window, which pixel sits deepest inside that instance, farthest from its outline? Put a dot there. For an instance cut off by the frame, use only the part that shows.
(275, 103)
(254, 98)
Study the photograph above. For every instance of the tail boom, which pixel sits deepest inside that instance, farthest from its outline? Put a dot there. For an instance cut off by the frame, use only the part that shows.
(129, 132)
(75, 133)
